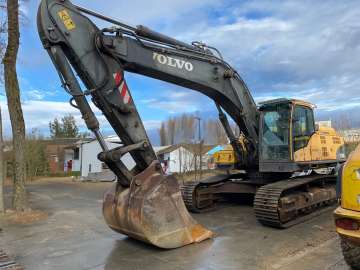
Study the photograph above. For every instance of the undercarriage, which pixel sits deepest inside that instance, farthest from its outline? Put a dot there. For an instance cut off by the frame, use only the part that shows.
(279, 204)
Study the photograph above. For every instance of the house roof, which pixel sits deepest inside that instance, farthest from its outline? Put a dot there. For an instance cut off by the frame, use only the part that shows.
(158, 149)
(113, 139)
(109, 139)
(193, 148)
(62, 141)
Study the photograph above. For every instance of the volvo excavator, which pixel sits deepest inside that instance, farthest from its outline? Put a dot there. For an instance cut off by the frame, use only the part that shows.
(276, 138)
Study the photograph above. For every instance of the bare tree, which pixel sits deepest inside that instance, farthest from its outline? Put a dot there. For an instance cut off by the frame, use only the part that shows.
(171, 130)
(214, 132)
(187, 124)
(3, 31)
(162, 134)
(2, 171)
(343, 122)
(182, 129)
(13, 99)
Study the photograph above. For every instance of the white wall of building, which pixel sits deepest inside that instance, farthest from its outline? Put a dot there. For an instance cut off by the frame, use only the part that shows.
(76, 165)
(89, 161)
(181, 160)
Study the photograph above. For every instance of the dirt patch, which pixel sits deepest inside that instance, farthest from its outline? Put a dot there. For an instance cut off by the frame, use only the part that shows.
(9, 181)
(24, 218)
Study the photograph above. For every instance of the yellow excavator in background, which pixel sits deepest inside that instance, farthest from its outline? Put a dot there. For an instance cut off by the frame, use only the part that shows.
(347, 215)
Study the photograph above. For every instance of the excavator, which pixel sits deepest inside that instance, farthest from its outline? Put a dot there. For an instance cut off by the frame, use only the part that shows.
(278, 139)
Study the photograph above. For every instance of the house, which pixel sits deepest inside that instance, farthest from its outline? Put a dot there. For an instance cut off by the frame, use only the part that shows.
(61, 154)
(175, 159)
(90, 167)
(181, 158)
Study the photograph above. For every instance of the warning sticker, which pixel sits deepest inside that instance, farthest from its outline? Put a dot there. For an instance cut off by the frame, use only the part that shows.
(65, 17)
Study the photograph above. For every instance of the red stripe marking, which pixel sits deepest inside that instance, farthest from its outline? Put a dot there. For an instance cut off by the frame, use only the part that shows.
(127, 98)
(118, 78)
(123, 90)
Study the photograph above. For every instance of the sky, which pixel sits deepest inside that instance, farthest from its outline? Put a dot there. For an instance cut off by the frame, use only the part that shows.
(302, 49)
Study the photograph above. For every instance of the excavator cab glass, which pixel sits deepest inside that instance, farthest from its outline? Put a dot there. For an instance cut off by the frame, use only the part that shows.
(275, 132)
(303, 126)
(286, 126)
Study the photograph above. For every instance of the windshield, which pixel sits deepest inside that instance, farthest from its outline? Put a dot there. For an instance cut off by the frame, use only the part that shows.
(275, 133)
(303, 126)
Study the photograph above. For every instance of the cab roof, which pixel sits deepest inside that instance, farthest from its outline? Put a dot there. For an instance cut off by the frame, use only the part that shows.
(273, 102)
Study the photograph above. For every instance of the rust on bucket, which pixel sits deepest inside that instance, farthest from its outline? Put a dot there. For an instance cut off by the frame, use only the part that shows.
(152, 210)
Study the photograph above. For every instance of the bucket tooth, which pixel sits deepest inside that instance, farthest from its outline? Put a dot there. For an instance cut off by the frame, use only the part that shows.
(152, 210)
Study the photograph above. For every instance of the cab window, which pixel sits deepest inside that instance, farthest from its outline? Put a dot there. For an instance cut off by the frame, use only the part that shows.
(275, 133)
(303, 126)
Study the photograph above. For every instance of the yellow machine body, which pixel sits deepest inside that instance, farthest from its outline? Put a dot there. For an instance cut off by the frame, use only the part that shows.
(225, 157)
(350, 195)
(347, 215)
(350, 198)
(323, 145)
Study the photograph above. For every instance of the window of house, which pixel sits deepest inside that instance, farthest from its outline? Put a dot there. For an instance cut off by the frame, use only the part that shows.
(76, 154)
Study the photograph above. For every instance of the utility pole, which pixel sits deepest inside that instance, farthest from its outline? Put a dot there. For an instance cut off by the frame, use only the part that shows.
(200, 145)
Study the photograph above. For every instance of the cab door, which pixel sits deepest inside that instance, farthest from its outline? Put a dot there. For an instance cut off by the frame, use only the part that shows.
(303, 127)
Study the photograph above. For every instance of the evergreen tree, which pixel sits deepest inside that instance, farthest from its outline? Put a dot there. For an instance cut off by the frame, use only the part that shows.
(67, 128)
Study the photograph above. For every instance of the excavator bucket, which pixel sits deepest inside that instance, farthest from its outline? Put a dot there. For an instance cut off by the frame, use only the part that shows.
(152, 210)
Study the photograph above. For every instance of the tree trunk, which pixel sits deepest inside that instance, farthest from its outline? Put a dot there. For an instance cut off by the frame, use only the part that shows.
(2, 171)
(14, 104)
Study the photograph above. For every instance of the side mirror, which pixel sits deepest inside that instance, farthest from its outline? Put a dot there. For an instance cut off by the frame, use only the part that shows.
(317, 127)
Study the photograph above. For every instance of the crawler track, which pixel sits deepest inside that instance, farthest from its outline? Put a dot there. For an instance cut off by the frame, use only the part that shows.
(8, 264)
(199, 196)
(285, 203)
(188, 195)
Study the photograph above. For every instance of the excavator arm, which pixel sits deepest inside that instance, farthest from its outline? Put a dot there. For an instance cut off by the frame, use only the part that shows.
(100, 58)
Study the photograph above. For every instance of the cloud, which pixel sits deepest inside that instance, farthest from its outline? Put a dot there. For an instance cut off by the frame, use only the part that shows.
(177, 101)
(35, 94)
(38, 114)
(140, 11)
(152, 124)
(308, 46)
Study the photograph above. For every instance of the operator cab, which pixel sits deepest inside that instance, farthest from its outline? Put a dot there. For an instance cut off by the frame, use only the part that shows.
(286, 127)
